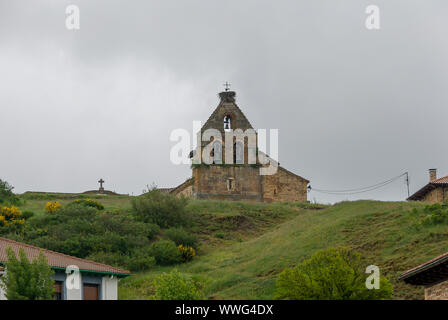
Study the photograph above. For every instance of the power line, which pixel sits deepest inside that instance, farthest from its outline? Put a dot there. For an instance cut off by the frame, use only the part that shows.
(364, 189)
(368, 187)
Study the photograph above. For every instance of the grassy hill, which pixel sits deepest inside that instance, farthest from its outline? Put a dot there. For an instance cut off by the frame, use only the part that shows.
(245, 245)
(260, 240)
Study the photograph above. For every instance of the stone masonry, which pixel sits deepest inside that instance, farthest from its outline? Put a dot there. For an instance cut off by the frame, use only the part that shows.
(241, 181)
(437, 291)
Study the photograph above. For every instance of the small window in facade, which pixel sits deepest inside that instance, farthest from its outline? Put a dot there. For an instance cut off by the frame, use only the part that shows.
(227, 123)
(230, 184)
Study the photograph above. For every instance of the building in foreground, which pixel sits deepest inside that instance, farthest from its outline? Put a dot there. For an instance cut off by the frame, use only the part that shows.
(231, 176)
(435, 191)
(433, 275)
(97, 281)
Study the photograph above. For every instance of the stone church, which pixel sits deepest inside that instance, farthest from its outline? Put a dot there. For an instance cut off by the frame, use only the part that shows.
(240, 180)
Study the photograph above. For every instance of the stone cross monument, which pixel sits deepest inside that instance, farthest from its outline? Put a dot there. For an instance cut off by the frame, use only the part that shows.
(101, 181)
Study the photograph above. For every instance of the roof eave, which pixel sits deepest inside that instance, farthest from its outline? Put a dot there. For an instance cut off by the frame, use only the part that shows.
(111, 273)
(422, 268)
(422, 192)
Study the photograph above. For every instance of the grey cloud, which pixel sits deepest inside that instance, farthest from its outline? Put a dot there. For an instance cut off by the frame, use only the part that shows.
(353, 107)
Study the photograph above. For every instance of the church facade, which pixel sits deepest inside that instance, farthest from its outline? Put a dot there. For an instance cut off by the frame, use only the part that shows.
(238, 178)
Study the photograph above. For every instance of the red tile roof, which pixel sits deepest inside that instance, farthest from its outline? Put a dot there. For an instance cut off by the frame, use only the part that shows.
(443, 180)
(58, 260)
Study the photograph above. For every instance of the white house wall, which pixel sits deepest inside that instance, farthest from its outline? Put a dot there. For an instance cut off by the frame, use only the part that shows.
(109, 288)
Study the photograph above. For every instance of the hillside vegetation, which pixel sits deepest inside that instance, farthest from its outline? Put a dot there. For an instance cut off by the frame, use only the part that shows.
(260, 240)
(244, 246)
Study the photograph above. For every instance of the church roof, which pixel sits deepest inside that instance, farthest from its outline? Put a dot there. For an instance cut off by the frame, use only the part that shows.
(182, 186)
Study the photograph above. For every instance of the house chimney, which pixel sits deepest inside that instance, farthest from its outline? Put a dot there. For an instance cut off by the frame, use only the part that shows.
(432, 175)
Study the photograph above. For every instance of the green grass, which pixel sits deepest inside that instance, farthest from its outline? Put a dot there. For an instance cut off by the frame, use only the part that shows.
(36, 202)
(245, 245)
(246, 263)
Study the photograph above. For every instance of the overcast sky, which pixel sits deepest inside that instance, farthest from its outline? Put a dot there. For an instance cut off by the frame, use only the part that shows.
(353, 106)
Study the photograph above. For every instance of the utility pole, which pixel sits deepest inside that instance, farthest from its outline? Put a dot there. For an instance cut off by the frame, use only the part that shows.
(407, 183)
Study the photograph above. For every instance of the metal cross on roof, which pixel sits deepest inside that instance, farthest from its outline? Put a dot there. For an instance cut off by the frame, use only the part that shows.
(227, 86)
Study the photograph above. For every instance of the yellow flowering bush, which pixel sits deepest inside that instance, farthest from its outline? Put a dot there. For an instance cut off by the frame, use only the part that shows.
(52, 206)
(10, 216)
(188, 253)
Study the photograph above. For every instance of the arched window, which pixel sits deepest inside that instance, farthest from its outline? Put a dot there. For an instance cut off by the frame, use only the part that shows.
(227, 123)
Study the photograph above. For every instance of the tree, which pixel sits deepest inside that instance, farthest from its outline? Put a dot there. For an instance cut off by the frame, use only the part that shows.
(165, 252)
(332, 274)
(6, 194)
(175, 286)
(27, 281)
(165, 210)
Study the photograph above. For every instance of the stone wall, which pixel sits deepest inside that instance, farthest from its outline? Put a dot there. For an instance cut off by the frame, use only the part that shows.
(438, 291)
(284, 186)
(184, 190)
(437, 195)
(212, 182)
(239, 181)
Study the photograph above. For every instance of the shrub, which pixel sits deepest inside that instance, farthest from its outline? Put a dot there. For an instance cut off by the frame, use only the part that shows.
(125, 223)
(175, 286)
(332, 274)
(165, 252)
(140, 263)
(219, 234)
(52, 206)
(27, 214)
(25, 280)
(6, 194)
(187, 253)
(152, 229)
(435, 214)
(88, 203)
(165, 210)
(11, 218)
(86, 232)
(180, 236)
(136, 261)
